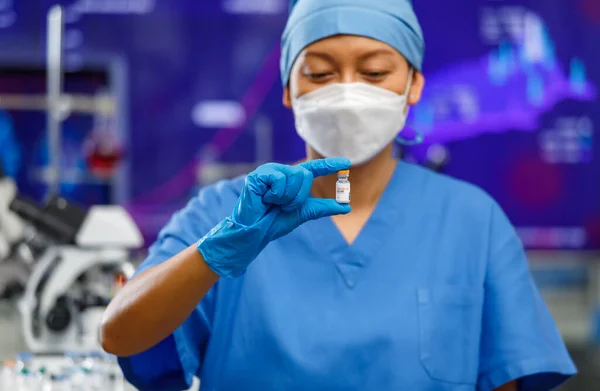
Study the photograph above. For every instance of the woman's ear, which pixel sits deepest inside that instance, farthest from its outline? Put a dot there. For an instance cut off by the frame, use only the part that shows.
(287, 101)
(416, 88)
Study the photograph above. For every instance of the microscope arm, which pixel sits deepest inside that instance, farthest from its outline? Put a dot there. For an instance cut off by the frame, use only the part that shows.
(75, 262)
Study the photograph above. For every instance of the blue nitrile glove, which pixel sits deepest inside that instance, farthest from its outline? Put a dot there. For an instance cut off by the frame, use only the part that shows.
(274, 201)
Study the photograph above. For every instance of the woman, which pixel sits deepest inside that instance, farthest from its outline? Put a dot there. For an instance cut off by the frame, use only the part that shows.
(423, 285)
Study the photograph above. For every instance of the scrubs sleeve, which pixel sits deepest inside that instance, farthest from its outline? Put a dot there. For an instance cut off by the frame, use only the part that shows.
(519, 338)
(172, 363)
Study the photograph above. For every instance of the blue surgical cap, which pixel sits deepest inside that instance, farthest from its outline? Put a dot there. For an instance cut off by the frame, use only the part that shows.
(390, 21)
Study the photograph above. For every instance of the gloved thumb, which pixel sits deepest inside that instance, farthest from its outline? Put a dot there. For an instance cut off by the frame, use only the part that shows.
(316, 208)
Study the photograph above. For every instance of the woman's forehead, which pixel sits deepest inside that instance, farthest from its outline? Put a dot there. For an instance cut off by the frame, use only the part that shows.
(350, 46)
(344, 41)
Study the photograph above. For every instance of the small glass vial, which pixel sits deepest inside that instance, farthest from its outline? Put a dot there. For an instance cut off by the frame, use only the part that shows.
(342, 187)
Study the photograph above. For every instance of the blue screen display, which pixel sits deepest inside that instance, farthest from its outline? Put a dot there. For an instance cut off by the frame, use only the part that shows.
(511, 99)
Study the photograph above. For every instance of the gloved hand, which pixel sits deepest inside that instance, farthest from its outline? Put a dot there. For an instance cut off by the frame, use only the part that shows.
(274, 201)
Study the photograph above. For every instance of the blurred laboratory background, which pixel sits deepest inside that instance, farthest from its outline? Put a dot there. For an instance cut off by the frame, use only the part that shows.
(113, 113)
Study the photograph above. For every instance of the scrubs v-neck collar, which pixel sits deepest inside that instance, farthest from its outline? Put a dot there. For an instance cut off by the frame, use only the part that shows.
(351, 259)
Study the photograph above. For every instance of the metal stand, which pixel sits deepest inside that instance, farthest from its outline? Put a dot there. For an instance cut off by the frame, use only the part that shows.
(55, 102)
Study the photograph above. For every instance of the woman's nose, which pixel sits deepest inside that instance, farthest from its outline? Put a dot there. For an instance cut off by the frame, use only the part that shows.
(349, 76)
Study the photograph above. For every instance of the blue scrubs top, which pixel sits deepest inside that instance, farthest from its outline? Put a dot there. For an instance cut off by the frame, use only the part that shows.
(434, 294)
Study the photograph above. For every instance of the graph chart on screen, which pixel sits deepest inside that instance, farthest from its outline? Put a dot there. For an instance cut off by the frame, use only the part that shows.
(508, 90)
(519, 121)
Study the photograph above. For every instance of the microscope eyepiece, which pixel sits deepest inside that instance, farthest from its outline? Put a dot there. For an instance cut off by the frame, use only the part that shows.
(26, 209)
(59, 219)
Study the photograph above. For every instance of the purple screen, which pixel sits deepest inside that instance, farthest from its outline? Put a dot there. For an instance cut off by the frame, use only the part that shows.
(511, 99)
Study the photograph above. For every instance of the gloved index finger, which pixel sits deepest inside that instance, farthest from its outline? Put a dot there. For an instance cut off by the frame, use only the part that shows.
(323, 167)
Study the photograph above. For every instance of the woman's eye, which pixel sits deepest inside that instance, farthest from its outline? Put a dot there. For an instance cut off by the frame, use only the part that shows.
(318, 76)
(376, 75)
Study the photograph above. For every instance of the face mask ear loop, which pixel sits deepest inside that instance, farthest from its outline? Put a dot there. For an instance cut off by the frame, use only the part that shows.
(407, 89)
(409, 81)
(419, 138)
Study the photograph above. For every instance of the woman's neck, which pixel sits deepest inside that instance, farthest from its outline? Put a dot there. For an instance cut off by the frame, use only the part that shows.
(368, 181)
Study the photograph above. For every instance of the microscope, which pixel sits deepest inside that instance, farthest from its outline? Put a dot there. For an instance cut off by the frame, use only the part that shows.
(84, 258)
(13, 272)
(76, 258)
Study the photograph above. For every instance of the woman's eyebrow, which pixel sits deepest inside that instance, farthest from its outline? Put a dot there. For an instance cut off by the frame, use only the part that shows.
(321, 55)
(376, 52)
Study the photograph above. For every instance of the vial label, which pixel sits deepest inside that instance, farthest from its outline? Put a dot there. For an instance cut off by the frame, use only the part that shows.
(342, 193)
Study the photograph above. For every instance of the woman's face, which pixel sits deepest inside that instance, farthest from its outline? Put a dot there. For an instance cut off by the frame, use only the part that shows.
(350, 59)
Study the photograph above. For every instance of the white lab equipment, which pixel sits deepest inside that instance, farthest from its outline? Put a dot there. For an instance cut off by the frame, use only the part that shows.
(67, 290)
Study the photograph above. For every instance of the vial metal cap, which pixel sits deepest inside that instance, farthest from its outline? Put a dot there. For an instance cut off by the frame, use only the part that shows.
(344, 172)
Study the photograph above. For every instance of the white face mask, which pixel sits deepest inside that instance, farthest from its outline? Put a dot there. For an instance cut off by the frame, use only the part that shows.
(352, 120)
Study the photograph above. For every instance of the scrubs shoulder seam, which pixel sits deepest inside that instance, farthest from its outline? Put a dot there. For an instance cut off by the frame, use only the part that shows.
(494, 211)
(503, 374)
